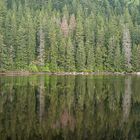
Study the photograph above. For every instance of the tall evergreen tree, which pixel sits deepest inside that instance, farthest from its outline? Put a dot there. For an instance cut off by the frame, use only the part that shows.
(62, 53)
(80, 51)
(11, 41)
(136, 58)
(3, 48)
(3, 57)
(22, 50)
(31, 33)
(99, 59)
(89, 45)
(110, 53)
(53, 46)
(117, 59)
(100, 50)
(70, 61)
(63, 43)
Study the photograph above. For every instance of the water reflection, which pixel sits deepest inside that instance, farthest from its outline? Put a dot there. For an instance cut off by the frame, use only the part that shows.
(40, 97)
(127, 99)
(70, 108)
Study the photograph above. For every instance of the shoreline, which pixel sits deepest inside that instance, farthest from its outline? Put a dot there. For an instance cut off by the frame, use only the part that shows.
(26, 73)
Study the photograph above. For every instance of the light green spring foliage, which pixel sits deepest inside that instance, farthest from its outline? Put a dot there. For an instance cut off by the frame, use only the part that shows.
(75, 35)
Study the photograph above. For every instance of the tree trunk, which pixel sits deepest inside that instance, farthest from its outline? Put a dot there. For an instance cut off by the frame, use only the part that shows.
(41, 48)
(127, 46)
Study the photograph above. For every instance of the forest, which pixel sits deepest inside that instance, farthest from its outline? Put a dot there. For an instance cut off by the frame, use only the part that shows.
(70, 35)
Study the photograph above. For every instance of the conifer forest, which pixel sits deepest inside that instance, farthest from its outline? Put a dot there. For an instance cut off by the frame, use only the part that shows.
(69, 69)
(70, 35)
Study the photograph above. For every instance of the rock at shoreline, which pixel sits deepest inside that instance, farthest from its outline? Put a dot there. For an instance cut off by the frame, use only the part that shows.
(138, 73)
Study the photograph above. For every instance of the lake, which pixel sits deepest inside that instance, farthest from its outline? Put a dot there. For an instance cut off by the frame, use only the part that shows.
(70, 108)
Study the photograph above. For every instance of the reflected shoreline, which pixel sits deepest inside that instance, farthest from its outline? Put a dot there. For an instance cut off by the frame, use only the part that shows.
(44, 107)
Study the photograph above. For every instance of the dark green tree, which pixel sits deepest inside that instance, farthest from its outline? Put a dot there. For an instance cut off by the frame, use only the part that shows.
(53, 46)
(70, 60)
(136, 58)
(22, 47)
(3, 55)
(80, 50)
(89, 44)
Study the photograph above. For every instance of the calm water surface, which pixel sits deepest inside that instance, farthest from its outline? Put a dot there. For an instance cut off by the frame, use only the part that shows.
(70, 108)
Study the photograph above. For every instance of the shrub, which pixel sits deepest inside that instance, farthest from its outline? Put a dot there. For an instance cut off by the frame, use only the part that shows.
(44, 68)
(33, 68)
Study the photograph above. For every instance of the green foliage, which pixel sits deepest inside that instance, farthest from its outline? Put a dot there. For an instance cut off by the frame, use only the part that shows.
(45, 107)
(44, 68)
(80, 51)
(70, 61)
(69, 36)
(99, 59)
(53, 49)
(33, 68)
(136, 58)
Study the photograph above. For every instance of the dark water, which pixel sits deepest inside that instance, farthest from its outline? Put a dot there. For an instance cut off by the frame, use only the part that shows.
(70, 108)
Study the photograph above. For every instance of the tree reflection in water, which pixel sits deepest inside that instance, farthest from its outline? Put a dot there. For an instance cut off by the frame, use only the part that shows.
(69, 107)
(127, 99)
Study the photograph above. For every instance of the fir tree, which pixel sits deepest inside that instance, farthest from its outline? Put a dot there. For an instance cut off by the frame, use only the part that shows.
(89, 44)
(70, 61)
(117, 59)
(31, 33)
(80, 51)
(22, 50)
(3, 56)
(99, 59)
(53, 47)
(136, 58)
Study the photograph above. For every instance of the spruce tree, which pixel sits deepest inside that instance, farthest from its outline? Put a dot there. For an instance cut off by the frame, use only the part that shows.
(70, 61)
(3, 48)
(10, 41)
(117, 59)
(22, 47)
(136, 58)
(110, 53)
(99, 59)
(63, 35)
(80, 51)
(53, 46)
(100, 50)
(31, 33)
(89, 45)
(62, 53)
(3, 56)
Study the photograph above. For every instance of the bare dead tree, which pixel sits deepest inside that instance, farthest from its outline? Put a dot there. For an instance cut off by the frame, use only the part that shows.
(127, 99)
(64, 26)
(127, 46)
(41, 91)
(41, 48)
